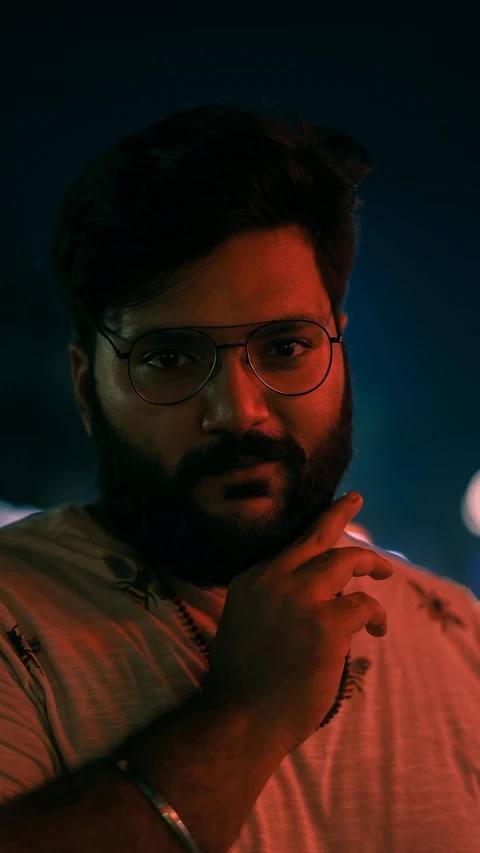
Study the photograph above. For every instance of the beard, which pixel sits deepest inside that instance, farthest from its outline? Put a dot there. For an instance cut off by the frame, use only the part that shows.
(155, 513)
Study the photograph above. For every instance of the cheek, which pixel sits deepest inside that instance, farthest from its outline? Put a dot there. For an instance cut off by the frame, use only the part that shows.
(112, 382)
(335, 383)
(157, 431)
(318, 412)
(328, 397)
(160, 433)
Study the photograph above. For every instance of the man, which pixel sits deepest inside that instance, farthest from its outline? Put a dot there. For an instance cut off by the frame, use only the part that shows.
(206, 288)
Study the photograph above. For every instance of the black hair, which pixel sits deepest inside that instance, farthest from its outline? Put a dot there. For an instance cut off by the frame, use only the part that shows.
(171, 193)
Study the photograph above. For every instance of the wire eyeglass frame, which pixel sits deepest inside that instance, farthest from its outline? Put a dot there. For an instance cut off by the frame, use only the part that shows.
(126, 355)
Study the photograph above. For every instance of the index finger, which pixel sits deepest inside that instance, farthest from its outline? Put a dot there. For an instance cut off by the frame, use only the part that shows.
(330, 525)
(323, 534)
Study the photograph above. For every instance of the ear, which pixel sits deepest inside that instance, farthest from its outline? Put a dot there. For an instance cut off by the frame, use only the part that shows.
(342, 322)
(79, 367)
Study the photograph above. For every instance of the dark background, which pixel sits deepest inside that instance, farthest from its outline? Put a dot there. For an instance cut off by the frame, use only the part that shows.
(76, 77)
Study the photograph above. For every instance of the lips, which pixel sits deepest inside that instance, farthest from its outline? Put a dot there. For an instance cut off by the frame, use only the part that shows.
(248, 461)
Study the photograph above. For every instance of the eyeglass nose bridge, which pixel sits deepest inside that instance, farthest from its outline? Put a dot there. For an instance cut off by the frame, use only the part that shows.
(231, 346)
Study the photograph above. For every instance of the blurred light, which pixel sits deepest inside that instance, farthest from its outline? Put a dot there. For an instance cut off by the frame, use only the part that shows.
(9, 513)
(470, 510)
(398, 554)
(358, 531)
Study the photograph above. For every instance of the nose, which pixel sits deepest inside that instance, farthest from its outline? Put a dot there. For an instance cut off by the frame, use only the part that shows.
(234, 398)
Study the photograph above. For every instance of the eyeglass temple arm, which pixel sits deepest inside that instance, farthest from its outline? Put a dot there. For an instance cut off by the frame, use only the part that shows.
(117, 351)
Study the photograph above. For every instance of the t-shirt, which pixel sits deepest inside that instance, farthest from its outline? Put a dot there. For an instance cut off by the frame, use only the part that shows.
(92, 650)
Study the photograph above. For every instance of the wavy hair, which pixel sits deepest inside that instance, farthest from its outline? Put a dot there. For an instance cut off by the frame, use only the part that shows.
(169, 194)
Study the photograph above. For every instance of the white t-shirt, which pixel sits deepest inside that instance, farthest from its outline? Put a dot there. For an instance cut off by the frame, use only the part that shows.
(90, 652)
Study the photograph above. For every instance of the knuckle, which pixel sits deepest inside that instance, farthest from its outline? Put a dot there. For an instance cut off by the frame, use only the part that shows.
(357, 553)
(360, 600)
(323, 561)
(363, 602)
(368, 558)
(332, 554)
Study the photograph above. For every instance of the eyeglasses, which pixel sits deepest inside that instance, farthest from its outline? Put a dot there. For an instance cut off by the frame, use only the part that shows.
(169, 366)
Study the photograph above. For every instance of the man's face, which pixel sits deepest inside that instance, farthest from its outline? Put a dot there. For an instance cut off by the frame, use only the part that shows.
(155, 464)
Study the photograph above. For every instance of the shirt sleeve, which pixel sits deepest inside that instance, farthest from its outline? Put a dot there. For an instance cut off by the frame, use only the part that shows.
(28, 758)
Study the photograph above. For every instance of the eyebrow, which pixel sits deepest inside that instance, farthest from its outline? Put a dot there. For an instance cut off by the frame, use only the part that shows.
(139, 331)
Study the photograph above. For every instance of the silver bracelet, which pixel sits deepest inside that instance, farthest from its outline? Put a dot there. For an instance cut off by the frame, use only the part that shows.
(164, 809)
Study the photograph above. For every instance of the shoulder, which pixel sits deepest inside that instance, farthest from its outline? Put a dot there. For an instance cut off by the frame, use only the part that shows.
(412, 584)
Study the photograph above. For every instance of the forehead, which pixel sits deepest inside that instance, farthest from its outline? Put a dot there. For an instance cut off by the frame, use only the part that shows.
(251, 279)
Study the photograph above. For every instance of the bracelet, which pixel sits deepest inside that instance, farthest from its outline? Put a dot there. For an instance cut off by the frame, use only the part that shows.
(164, 809)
